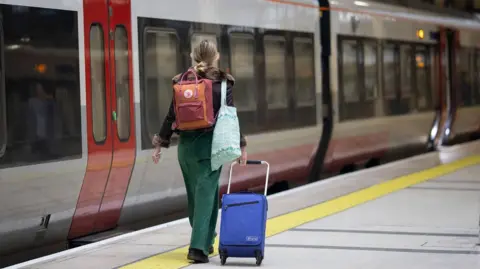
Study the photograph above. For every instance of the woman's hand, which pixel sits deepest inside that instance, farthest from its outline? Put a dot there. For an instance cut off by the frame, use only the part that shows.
(157, 153)
(243, 159)
(155, 140)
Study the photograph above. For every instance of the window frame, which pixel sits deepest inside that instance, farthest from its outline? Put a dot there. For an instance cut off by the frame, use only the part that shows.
(361, 108)
(100, 27)
(146, 129)
(308, 40)
(277, 37)
(396, 63)
(254, 106)
(341, 72)
(426, 50)
(412, 68)
(373, 42)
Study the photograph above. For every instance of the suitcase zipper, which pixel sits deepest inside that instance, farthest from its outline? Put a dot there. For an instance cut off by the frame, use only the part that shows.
(240, 204)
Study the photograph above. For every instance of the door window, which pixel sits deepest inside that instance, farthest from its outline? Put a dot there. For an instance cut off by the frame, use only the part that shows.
(97, 76)
(122, 83)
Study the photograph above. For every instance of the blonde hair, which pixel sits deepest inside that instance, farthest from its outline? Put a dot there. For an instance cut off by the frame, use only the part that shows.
(204, 54)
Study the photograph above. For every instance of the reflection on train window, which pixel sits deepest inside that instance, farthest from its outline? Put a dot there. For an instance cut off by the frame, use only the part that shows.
(197, 38)
(42, 100)
(160, 66)
(276, 80)
(389, 72)
(465, 81)
(122, 78)
(3, 104)
(350, 72)
(371, 71)
(97, 70)
(304, 72)
(406, 70)
(423, 86)
(242, 65)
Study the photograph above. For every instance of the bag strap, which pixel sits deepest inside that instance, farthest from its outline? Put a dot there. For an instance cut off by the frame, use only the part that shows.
(184, 75)
(189, 71)
(224, 93)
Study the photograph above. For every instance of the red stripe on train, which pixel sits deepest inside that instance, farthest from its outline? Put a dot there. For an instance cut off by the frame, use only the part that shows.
(292, 164)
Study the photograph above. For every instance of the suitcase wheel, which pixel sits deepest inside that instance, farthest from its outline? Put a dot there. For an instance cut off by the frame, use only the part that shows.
(223, 257)
(258, 257)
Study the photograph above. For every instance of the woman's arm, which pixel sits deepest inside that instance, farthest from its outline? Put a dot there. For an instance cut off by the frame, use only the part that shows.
(163, 138)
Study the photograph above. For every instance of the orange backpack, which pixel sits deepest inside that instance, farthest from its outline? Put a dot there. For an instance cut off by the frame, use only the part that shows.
(193, 102)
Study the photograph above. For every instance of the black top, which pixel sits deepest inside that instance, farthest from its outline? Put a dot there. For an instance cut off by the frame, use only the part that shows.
(216, 76)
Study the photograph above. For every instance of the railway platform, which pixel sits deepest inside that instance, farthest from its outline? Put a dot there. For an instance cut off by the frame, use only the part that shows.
(421, 212)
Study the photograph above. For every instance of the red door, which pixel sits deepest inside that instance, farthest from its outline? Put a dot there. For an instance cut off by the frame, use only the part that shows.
(110, 121)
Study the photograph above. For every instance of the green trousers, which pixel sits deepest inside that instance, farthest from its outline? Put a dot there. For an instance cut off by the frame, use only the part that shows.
(194, 153)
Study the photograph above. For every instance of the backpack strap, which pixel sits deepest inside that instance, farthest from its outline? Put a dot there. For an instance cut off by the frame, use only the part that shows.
(224, 93)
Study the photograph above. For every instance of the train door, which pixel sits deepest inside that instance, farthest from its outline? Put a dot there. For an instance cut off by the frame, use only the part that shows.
(110, 121)
(449, 43)
(318, 162)
(440, 82)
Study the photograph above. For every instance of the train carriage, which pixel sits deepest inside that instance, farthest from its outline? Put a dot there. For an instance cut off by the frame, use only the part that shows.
(322, 87)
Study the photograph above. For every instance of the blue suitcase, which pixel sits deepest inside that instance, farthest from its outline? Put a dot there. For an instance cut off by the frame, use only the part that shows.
(243, 222)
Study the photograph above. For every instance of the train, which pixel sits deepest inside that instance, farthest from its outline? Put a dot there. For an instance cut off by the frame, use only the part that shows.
(322, 88)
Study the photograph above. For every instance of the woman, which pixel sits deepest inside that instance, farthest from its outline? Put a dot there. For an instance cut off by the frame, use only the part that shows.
(194, 153)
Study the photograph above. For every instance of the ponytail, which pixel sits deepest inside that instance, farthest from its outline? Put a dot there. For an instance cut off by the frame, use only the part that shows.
(200, 67)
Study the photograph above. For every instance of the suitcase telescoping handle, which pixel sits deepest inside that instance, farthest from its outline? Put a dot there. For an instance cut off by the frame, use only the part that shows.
(250, 162)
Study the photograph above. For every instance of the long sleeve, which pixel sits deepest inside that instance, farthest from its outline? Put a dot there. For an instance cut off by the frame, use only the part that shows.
(243, 141)
(166, 129)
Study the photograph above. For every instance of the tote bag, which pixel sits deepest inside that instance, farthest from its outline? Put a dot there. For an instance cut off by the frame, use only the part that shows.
(226, 135)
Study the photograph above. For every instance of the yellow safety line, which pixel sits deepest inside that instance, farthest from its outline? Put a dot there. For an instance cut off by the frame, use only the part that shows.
(177, 258)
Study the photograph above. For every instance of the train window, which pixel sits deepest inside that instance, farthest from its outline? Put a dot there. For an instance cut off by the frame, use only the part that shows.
(43, 105)
(464, 78)
(242, 65)
(275, 65)
(122, 83)
(406, 71)
(422, 81)
(160, 66)
(389, 71)
(3, 102)
(304, 72)
(97, 70)
(197, 38)
(350, 74)
(371, 71)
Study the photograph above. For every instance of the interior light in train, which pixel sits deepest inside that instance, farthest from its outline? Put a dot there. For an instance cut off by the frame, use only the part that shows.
(420, 34)
(361, 3)
(41, 68)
